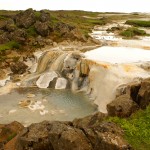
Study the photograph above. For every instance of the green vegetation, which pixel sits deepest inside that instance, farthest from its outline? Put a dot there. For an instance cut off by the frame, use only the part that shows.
(136, 128)
(10, 45)
(133, 31)
(31, 32)
(139, 23)
(37, 14)
(84, 21)
(11, 136)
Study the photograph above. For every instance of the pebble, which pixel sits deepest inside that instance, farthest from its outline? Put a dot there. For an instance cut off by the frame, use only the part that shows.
(44, 100)
(43, 112)
(30, 95)
(18, 83)
(12, 111)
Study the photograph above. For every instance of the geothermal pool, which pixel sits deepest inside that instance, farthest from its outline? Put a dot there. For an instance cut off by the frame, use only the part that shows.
(62, 105)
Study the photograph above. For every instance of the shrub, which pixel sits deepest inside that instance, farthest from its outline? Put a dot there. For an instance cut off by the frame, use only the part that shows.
(131, 32)
(139, 23)
(10, 45)
(31, 31)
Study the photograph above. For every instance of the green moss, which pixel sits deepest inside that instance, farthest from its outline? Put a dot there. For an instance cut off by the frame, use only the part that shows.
(37, 14)
(31, 32)
(3, 18)
(11, 136)
(136, 128)
(10, 45)
(139, 23)
(131, 32)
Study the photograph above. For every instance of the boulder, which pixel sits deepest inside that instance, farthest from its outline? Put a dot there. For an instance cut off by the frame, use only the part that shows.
(25, 18)
(63, 28)
(89, 120)
(2, 24)
(4, 38)
(42, 28)
(52, 136)
(10, 25)
(122, 106)
(18, 67)
(18, 35)
(138, 91)
(143, 97)
(90, 133)
(44, 17)
(8, 132)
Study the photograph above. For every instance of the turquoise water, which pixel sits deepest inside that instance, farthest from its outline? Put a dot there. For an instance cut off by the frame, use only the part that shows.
(62, 105)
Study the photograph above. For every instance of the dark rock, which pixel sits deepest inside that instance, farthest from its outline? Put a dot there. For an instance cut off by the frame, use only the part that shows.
(4, 38)
(42, 28)
(10, 25)
(122, 106)
(89, 120)
(138, 91)
(91, 133)
(143, 97)
(52, 136)
(18, 67)
(63, 28)
(3, 24)
(8, 132)
(18, 35)
(44, 17)
(1, 31)
(26, 18)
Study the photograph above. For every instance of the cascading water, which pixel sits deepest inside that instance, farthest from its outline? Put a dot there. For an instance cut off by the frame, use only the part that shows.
(97, 73)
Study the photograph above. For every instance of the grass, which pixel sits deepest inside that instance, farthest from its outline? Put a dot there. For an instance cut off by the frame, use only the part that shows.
(136, 128)
(132, 31)
(11, 136)
(10, 45)
(31, 32)
(138, 23)
(77, 20)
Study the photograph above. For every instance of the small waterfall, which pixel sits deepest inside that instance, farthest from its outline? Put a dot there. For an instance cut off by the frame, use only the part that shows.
(90, 72)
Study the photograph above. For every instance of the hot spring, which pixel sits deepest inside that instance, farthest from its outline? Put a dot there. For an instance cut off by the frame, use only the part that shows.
(49, 104)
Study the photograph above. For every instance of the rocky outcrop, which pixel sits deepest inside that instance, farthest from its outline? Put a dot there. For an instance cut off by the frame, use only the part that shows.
(143, 97)
(130, 98)
(8, 132)
(122, 106)
(90, 133)
(25, 19)
(44, 17)
(18, 35)
(42, 28)
(4, 38)
(18, 67)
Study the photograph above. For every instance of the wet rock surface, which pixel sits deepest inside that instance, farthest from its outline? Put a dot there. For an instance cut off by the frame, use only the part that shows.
(90, 133)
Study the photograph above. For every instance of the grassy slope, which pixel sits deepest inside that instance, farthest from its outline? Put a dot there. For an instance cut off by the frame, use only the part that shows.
(137, 129)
